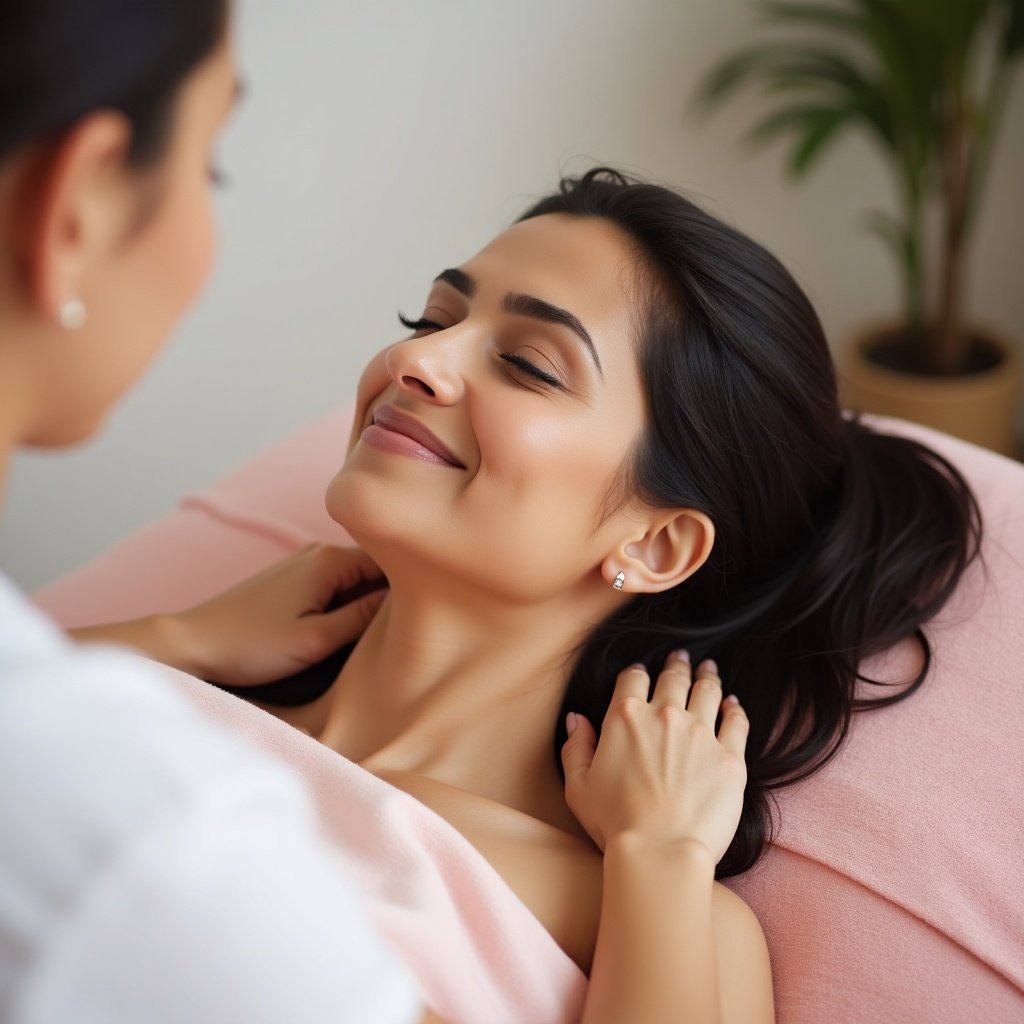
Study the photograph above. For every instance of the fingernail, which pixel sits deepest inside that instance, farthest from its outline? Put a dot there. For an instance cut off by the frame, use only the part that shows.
(680, 656)
(571, 721)
(710, 666)
(639, 665)
(731, 699)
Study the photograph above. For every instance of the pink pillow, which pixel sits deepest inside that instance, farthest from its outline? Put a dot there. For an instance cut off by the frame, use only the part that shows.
(895, 891)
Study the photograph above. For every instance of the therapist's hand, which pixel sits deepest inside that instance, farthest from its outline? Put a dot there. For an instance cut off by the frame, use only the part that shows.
(274, 624)
(265, 628)
(659, 771)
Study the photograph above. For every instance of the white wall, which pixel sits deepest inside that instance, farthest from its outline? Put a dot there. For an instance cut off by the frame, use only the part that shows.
(383, 140)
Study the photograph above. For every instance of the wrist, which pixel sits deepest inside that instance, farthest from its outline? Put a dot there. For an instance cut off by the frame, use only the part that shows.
(165, 638)
(178, 644)
(683, 851)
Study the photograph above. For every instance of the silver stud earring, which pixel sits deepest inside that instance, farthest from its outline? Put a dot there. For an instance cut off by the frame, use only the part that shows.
(72, 314)
(619, 580)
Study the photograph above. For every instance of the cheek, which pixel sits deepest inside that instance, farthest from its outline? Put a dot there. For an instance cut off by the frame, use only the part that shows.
(166, 275)
(538, 458)
(372, 382)
(545, 483)
(190, 245)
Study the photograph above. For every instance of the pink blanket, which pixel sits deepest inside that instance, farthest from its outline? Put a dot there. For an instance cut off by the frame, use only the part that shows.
(895, 891)
(478, 953)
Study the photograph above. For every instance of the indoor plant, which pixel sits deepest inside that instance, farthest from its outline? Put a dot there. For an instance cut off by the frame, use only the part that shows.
(928, 80)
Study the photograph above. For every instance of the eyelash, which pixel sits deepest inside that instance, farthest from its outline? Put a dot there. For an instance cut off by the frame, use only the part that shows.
(518, 361)
(419, 325)
(531, 370)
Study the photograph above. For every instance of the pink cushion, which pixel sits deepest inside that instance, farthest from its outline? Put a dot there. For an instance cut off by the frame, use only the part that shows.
(896, 889)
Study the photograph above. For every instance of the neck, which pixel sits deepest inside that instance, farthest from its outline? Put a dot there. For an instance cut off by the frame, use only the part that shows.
(465, 690)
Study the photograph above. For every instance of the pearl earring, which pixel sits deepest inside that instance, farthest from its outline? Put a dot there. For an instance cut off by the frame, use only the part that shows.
(72, 314)
(620, 579)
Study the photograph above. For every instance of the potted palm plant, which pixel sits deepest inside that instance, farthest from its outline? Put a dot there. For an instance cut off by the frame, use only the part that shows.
(928, 80)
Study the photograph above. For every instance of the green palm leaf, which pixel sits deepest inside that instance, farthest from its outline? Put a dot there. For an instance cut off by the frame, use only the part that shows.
(907, 71)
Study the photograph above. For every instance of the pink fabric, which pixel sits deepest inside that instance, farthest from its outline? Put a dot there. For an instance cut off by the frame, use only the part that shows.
(476, 950)
(894, 891)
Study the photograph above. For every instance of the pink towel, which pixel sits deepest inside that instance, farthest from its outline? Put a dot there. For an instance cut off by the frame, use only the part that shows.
(896, 889)
(477, 951)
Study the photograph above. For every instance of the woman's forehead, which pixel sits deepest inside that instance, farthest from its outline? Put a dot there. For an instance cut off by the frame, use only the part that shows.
(585, 265)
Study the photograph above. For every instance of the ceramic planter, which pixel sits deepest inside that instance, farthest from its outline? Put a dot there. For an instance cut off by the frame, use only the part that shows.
(979, 406)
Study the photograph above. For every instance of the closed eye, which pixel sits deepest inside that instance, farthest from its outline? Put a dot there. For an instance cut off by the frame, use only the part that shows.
(531, 369)
(423, 324)
(521, 363)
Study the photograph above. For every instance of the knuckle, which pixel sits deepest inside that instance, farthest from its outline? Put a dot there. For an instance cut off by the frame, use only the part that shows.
(671, 715)
(697, 731)
(314, 643)
(735, 712)
(630, 708)
(574, 784)
(708, 686)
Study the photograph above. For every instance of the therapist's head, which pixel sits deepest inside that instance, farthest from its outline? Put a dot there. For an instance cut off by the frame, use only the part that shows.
(109, 114)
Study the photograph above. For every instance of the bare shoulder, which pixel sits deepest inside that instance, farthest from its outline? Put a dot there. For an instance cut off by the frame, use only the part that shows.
(555, 874)
(744, 969)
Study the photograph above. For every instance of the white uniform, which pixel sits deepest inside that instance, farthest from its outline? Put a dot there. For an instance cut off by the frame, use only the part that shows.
(154, 868)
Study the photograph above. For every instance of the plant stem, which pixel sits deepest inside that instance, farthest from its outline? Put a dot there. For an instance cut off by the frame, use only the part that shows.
(951, 342)
(991, 114)
(913, 271)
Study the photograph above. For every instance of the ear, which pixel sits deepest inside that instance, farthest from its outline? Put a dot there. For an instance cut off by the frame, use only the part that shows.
(674, 544)
(78, 210)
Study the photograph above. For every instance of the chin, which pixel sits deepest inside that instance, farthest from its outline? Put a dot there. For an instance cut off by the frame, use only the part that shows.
(357, 503)
(382, 519)
(67, 433)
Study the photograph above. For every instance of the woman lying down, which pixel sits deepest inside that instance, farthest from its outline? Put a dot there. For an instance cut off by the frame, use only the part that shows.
(612, 438)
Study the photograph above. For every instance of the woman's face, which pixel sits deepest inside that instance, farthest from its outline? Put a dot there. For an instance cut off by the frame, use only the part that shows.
(490, 442)
(157, 251)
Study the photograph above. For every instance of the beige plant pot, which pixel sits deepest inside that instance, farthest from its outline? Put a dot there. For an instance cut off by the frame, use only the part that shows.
(979, 407)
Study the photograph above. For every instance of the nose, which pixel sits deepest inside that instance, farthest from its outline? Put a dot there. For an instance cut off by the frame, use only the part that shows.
(427, 367)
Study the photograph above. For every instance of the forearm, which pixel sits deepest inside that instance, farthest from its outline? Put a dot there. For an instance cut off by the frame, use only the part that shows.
(655, 955)
(160, 637)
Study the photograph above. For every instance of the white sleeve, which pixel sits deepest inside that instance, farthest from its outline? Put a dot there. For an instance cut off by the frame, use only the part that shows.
(155, 869)
(244, 920)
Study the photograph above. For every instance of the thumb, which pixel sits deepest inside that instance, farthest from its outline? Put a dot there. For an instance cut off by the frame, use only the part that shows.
(578, 749)
(347, 623)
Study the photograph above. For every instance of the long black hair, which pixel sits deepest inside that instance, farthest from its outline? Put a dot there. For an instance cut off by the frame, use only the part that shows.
(833, 541)
(61, 59)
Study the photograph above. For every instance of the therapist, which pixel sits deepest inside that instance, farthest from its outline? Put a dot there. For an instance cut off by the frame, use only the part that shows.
(154, 868)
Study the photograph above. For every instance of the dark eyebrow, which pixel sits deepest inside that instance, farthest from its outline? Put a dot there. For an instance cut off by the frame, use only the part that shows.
(459, 280)
(538, 309)
(526, 305)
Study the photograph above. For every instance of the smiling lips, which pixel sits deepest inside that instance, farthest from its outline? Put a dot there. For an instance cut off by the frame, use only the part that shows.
(394, 431)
